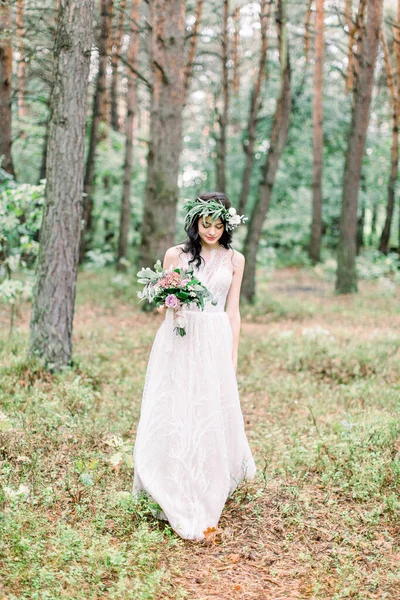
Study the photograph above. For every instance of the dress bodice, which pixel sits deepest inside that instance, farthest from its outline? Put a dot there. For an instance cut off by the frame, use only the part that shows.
(216, 274)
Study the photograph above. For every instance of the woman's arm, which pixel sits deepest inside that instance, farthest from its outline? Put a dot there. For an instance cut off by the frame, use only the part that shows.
(232, 303)
(171, 259)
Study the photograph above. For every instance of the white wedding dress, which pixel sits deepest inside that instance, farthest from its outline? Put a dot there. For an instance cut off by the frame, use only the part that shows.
(191, 449)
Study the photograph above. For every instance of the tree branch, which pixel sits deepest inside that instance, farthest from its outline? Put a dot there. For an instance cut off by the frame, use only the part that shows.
(142, 77)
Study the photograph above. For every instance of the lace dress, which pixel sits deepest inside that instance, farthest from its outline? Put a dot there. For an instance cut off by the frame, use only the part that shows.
(191, 450)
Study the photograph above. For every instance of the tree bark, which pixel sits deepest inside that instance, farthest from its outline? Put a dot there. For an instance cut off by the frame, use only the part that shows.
(105, 29)
(279, 133)
(223, 117)
(374, 219)
(307, 31)
(21, 71)
(255, 104)
(6, 162)
(360, 224)
(360, 25)
(351, 30)
(346, 278)
(391, 189)
(116, 49)
(318, 134)
(56, 270)
(355, 36)
(42, 172)
(192, 50)
(133, 50)
(166, 50)
(396, 36)
(235, 52)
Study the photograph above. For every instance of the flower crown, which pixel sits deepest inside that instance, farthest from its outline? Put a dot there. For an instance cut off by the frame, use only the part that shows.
(202, 208)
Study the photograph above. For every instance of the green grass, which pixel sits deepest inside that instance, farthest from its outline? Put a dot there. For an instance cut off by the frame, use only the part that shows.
(319, 381)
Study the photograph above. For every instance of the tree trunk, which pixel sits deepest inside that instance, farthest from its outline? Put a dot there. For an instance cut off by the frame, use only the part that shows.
(235, 52)
(133, 50)
(192, 50)
(355, 36)
(374, 219)
(223, 117)
(396, 44)
(360, 227)
(307, 31)
(396, 36)
(346, 278)
(21, 71)
(42, 173)
(255, 105)
(351, 30)
(391, 190)
(318, 134)
(105, 28)
(116, 49)
(54, 296)
(6, 162)
(279, 133)
(166, 41)
(105, 103)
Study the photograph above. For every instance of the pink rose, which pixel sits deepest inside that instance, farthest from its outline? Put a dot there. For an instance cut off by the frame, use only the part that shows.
(171, 301)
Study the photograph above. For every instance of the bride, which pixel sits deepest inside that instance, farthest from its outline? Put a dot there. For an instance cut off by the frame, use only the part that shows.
(191, 449)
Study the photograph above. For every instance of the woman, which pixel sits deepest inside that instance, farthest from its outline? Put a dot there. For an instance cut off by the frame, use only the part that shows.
(191, 450)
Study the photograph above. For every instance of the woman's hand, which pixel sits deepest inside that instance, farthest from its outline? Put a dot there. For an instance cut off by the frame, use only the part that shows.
(163, 309)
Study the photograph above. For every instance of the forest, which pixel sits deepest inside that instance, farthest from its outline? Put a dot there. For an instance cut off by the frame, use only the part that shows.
(113, 113)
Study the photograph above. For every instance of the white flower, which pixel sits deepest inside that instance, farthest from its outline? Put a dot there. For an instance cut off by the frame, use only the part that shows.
(235, 220)
(232, 211)
(192, 294)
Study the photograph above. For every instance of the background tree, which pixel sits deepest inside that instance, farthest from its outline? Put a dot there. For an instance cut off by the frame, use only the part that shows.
(6, 55)
(167, 58)
(21, 71)
(192, 49)
(286, 227)
(106, 7)
(346, 277)
(131, 106)
(54, 296)
(277, 142)
(116, 49)
(255, 105)
(394, 91)
(222, 116)
(318, 133)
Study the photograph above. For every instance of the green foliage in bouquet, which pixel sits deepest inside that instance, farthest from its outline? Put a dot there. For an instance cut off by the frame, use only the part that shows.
(161, 285)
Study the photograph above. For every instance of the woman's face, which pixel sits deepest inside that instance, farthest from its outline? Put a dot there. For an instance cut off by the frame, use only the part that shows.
(211, 231)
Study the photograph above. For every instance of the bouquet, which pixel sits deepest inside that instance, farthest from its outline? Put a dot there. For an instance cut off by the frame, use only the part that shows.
(173, 288)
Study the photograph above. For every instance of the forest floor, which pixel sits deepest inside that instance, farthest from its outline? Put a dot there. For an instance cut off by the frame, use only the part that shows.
(319, 382)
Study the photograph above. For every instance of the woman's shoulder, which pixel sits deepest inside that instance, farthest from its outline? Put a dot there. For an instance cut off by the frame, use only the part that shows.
(174, 251)
(174, 255)
(238, 259)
